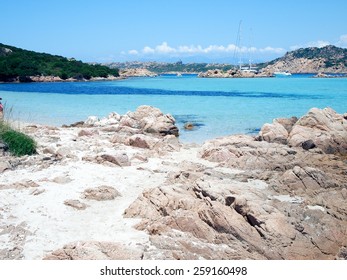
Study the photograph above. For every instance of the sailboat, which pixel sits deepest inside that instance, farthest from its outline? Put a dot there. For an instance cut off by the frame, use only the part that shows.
(248, 68)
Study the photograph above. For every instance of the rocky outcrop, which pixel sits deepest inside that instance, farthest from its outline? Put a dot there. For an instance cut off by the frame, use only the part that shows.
(292, 215)
(324, 129)
(233, 73)
(137, 72)
(146, 119)
(284, 202)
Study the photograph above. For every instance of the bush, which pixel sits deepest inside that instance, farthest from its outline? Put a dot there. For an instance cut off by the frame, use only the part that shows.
(18, 143)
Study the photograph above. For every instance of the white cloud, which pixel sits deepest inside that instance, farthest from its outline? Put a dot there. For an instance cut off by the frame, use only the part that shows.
(165, 49)
(133, 52)
(317, 44)
(342, 41)
(272, 50)
(148, 50)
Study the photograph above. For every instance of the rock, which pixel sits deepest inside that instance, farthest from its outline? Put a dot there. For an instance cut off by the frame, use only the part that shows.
(37, 191)
(64, 179)
(119, 138)
(233, 73)
(287, 123)
(308, 144)
(243, 152)
(142, 141)
(111, 120)
(188, 126)
(3, 146)
(4, 165)
(115, 116)
(49, 150)
(75, 203)
(64, 152)
(137, 72)
(342, 254)
(127, 121)
(101, 193)
(91, 121)
(326, 128)
(152, 120)
(274, 133)
(84, 132)
(94, 250)
(119, 158)
(76, 124)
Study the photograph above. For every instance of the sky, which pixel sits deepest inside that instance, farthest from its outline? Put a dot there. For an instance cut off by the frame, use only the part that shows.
(159, 30)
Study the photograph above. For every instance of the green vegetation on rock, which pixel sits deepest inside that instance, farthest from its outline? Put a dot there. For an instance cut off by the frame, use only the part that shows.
(166, 67)
(16, 63)
(332, 56)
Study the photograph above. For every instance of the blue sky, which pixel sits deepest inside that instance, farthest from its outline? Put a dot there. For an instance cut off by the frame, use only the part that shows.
(127, 30)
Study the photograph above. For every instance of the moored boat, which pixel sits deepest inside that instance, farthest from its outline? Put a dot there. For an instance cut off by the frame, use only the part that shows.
(282, 74)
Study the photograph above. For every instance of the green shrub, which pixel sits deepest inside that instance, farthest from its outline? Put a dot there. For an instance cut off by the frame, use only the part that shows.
(18, 143)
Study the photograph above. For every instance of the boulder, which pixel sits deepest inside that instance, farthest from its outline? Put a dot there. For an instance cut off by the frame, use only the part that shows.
(91, 121)
(326, 128)
(118, 158)
(142, 141)
(4, 165)
(322, 128)
(274, 133)
(152, 120)
(84, 133)
(64, 152)
(188, 126)
(75, 203)
(244, 152)
(287, 123)
(101, 193)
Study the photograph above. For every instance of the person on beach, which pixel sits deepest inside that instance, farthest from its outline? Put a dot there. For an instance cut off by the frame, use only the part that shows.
(1, 110)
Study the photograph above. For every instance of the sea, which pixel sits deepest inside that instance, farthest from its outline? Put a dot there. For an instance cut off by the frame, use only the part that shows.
(216, 106)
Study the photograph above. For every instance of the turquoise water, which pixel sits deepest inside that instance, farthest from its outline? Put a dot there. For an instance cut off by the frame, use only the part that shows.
(217, 106)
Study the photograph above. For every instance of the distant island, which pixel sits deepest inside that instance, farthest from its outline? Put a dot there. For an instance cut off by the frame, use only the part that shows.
(19, 65)
(167, 67)
(328, 59)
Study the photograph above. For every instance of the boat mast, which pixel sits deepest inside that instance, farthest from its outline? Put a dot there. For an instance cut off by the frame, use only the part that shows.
(250, 49)
(238, 46)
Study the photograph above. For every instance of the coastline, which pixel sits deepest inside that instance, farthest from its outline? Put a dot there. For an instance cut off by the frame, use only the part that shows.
(52, 79)
(147, 74)
(156, 198)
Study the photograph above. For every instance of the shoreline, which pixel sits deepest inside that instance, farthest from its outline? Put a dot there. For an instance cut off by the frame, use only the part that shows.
(53, 79)
(124, 187)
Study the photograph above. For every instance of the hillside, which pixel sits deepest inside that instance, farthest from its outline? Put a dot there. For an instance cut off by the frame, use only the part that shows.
(22, 65)
(166, 67)
(328, 59)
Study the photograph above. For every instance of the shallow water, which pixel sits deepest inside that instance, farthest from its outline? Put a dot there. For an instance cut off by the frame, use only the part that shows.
(217, 106)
